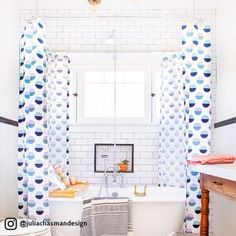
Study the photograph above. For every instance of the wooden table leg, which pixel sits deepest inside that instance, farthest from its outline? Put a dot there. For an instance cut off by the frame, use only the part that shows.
(204, 231)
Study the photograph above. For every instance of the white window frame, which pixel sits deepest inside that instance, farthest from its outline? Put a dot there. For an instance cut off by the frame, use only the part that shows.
(149, 62)
(81, 119)
(155, 118)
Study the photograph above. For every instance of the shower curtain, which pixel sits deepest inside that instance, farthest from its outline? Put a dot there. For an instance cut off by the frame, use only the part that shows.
(43, 120)
(172, 154)
(58, 109)
(185, 130)
(32, 133)
(196, 47)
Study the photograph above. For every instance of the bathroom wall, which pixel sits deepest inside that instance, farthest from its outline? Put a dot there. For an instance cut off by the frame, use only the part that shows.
(224, 210)
(168, 40)
(82, 34)
(144, 138)
(145, 30)
(9, 14)
(226, 49)
(75, 30)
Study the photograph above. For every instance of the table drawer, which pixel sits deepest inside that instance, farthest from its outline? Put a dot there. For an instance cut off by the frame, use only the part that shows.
(219, 185)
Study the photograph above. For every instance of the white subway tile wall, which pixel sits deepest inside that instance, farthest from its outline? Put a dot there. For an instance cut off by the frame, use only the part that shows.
(144, 138)
(136, 31)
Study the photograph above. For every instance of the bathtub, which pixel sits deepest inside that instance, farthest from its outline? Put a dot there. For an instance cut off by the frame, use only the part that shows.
(159, 213)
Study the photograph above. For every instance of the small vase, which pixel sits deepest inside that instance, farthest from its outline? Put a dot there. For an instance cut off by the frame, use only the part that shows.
(123, 167)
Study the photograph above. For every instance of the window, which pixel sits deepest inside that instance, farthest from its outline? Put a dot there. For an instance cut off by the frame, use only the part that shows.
(99, 94)
(96, 100)
(136, 88)
(130, 94)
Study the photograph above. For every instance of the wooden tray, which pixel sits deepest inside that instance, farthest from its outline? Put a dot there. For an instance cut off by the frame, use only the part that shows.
(70, 192)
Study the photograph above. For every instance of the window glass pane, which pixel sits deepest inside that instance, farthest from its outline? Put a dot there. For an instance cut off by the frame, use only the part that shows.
(99, 94)
(98, 100)
(120, 77)
(134, 77)
(130, 100)
(109, 77)
(94, 77)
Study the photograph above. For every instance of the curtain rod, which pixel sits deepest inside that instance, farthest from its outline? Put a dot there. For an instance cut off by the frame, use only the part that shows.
(111, 51)
(116, 17)
(122, 9)
(97, 17)
(183, 13)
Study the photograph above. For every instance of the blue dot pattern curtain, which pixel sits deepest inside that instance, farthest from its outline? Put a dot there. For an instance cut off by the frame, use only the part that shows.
(172, 151)
(196, 47)
(58, 109)
(32, 144)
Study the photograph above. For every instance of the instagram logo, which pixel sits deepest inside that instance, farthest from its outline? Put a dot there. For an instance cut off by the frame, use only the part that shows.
(10, 223)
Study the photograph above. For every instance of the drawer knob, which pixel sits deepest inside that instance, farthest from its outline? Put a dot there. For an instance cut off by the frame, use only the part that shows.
(217, 183)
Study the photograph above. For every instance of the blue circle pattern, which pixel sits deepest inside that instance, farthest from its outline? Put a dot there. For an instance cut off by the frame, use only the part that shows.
(58, 107)
(196, 47)
(172, 152)
(32, 144)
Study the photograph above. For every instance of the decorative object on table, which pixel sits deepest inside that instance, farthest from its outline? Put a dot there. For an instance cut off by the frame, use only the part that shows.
(62, 185)
(73, 180)
(123, 165)
(61, 173)
(70, 192)
(55, 181)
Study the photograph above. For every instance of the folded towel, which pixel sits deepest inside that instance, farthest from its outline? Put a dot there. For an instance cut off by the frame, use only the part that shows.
(105, 217)
(212, 159)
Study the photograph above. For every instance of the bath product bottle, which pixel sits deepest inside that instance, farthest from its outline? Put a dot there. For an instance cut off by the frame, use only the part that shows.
(60, 172)
(54, 179)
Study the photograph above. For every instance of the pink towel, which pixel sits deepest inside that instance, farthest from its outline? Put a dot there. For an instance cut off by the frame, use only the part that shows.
(212, 159)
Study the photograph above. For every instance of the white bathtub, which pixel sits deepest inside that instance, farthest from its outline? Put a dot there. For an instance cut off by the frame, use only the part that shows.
(159, 213)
